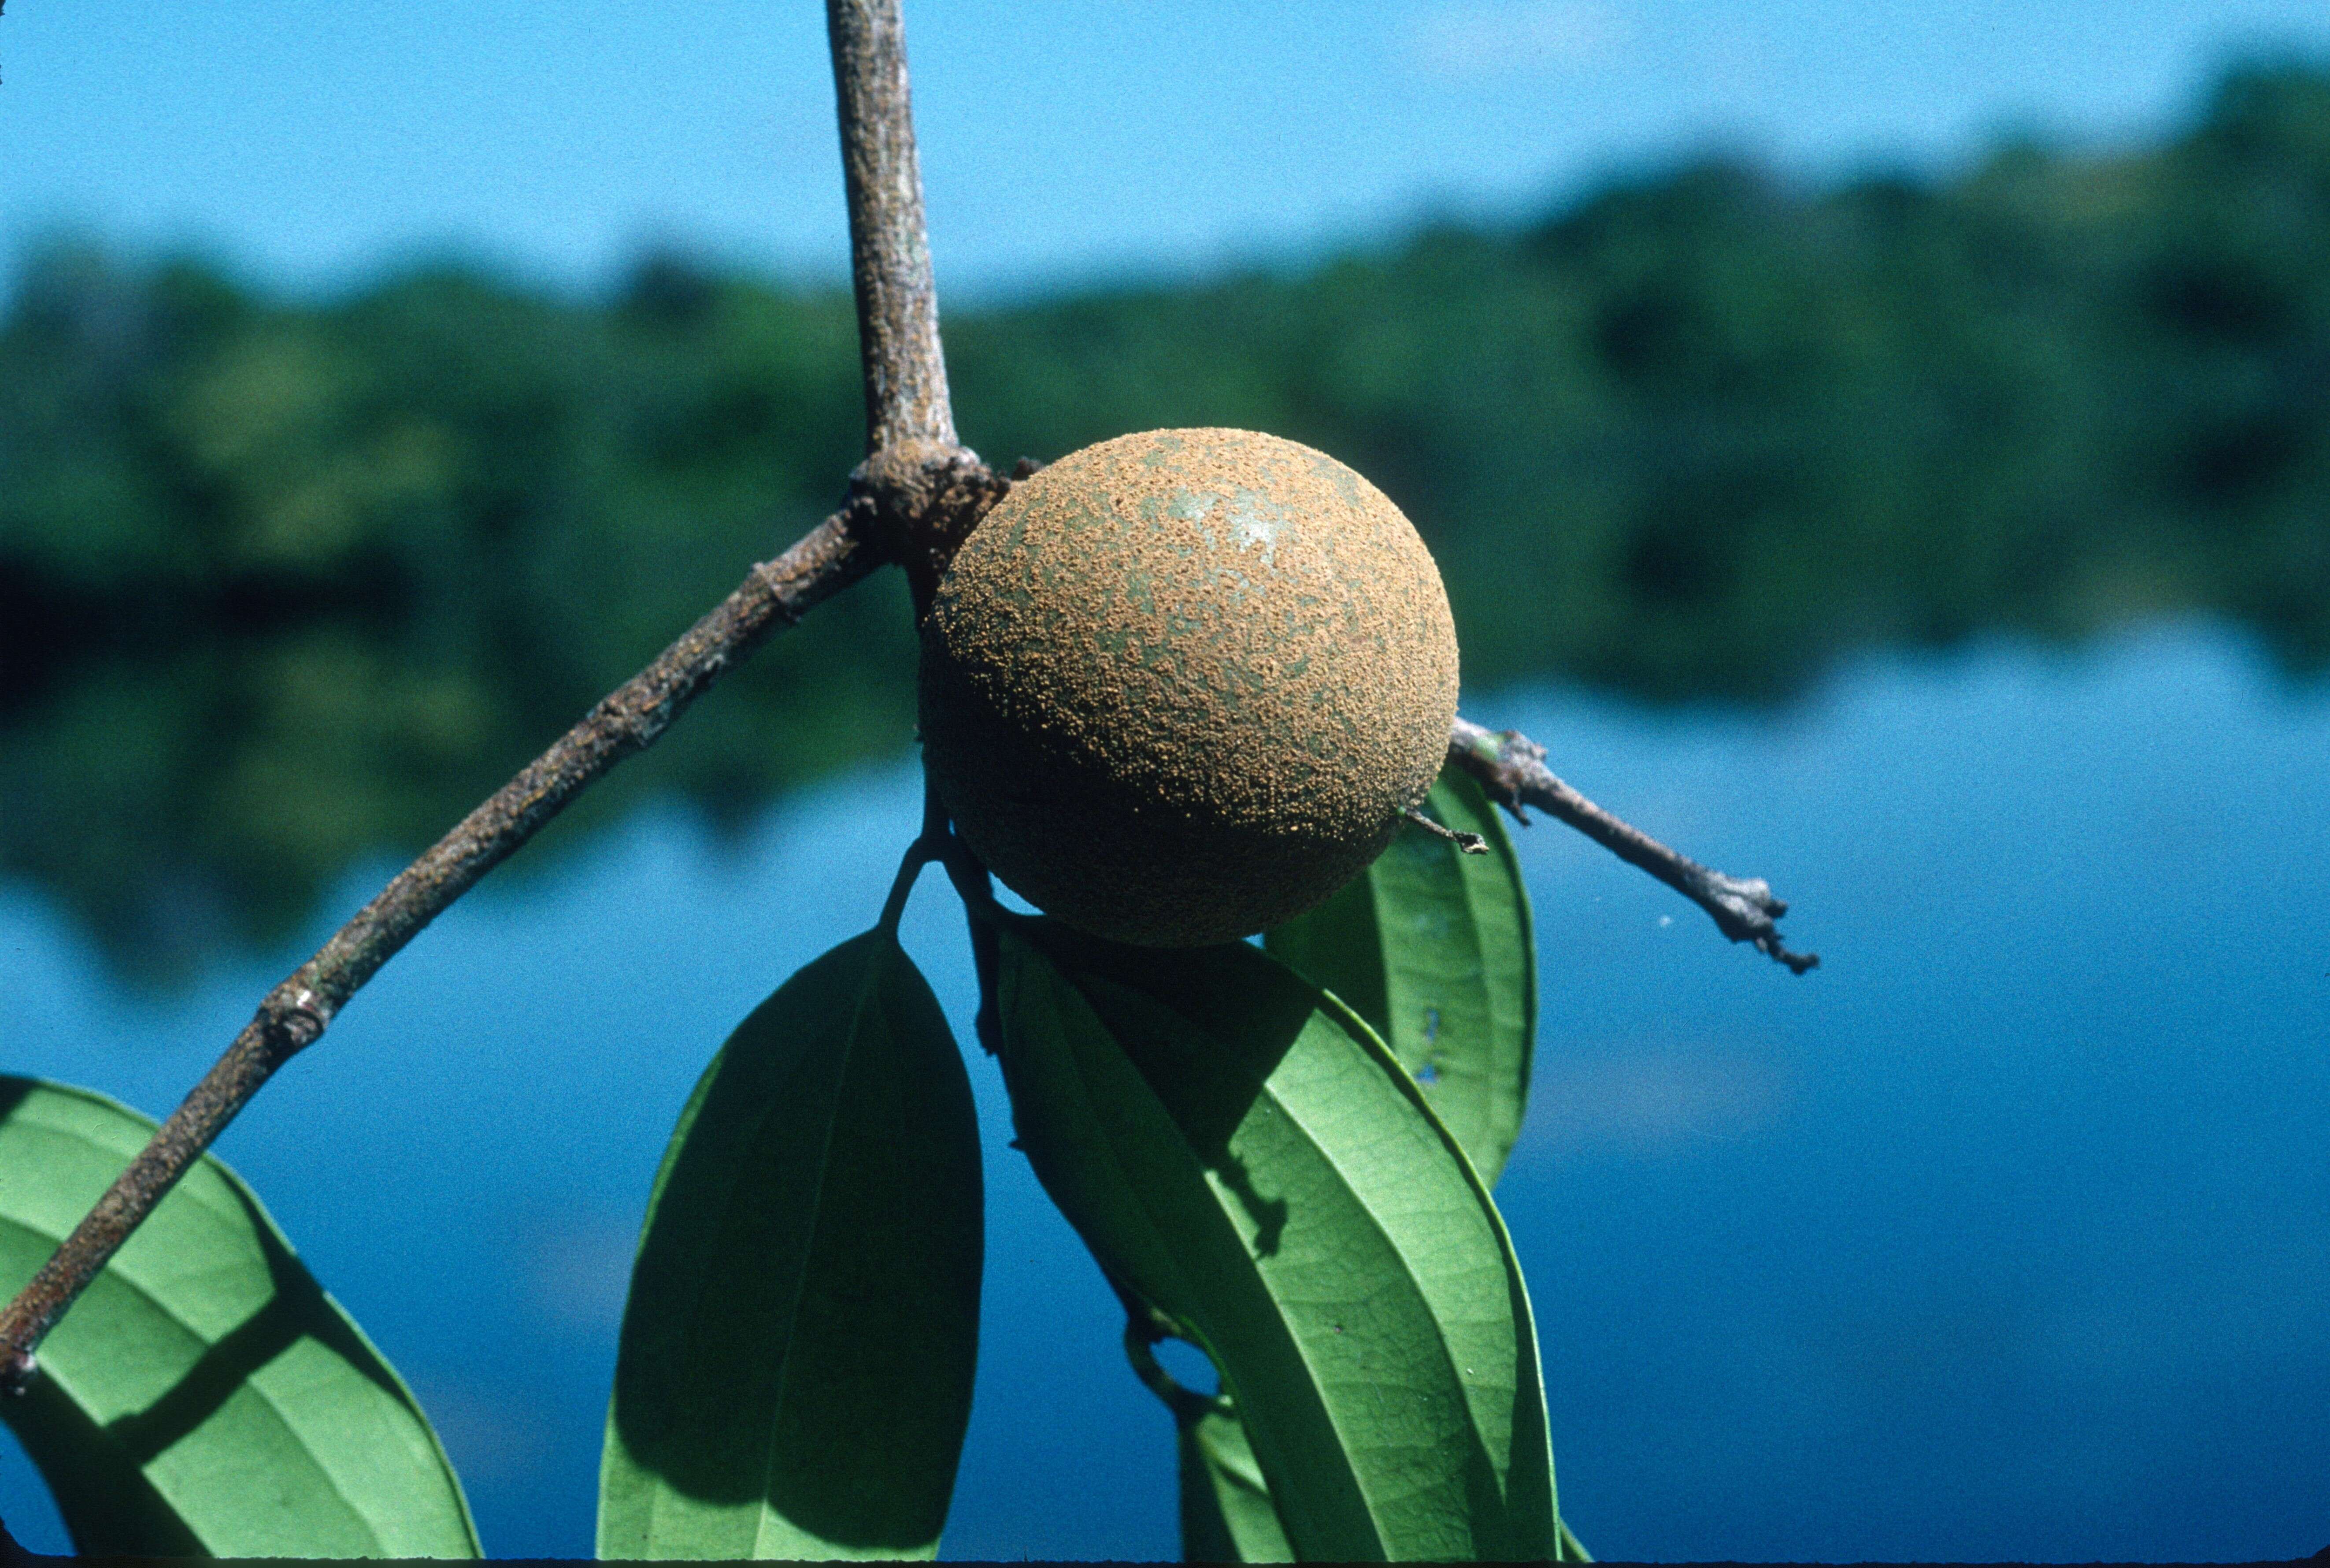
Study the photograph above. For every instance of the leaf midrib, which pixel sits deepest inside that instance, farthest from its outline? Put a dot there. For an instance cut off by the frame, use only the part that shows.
(699, 1309)
(868, 986)
(1423, 1299)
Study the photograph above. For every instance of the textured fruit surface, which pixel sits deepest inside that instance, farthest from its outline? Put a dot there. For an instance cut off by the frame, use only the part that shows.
(1178, 686)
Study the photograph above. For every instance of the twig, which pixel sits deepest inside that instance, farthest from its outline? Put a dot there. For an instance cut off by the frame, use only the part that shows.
(935, 489)
(889, 245)
(1511, 769)
(1466, 844)
(295, 1014)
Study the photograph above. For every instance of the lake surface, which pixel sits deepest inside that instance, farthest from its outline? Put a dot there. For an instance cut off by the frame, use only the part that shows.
(2005, 1234)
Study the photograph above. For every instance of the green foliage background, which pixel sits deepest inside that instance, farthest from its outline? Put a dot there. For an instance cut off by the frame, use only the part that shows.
(282, 584)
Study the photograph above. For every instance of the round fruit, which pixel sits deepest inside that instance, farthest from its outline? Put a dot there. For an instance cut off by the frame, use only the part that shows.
(1179, 687)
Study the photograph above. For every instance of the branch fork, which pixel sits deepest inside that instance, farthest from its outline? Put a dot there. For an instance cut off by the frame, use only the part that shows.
(921, 500)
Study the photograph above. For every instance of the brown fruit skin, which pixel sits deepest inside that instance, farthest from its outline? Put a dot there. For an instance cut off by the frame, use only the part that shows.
(1177, 687)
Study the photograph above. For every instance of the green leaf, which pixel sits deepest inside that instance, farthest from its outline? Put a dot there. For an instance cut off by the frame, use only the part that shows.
(1433, 948)
(1226, 1513)
(794, 1371)
(204, 1396)
(1240, 1150)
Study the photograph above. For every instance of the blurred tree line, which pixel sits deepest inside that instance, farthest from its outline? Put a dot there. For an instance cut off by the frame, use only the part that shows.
(284, 584)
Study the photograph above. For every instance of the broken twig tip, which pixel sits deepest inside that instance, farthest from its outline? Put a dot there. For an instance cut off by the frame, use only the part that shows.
(1467, 843)
(1797, 962)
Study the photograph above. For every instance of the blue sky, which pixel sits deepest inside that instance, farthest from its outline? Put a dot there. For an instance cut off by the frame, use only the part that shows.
(313, 144)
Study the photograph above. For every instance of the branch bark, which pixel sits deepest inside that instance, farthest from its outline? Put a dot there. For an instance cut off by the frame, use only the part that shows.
(1511, 769)
(890, 244)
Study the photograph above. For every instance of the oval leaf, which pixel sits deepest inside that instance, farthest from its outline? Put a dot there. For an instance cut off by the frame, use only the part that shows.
(1433, 948)
(794, 1372)
(205, 1397)
(1238, 1148)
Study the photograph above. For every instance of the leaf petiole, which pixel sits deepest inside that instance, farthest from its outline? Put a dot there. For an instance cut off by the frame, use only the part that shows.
(910, 869)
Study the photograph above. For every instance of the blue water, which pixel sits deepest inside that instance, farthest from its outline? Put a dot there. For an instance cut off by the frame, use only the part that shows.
(2006, 1234)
